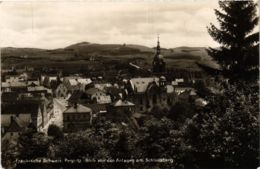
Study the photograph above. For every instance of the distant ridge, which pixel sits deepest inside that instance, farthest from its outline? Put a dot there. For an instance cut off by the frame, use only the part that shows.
(179, 57)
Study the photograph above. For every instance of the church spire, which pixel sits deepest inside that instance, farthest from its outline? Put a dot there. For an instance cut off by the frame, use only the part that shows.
(158, 63)
(158, 45)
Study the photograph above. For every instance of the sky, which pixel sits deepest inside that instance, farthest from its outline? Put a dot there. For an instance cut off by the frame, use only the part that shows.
(53, 24)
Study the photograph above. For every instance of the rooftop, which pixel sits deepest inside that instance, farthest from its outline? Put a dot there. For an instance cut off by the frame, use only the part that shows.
(140, 84)
(122, 103)
(78, 109)
(92, 91)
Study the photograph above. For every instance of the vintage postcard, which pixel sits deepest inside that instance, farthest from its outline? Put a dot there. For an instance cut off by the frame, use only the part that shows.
(125, 84)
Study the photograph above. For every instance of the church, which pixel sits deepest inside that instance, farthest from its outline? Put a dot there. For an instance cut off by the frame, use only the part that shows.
(158, 62)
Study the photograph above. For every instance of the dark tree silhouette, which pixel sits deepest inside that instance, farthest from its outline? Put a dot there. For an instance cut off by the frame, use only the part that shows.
(55, 131)
(238, 53)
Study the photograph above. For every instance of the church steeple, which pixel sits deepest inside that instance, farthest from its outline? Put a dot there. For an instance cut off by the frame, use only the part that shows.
(158, 63)
(158, 49)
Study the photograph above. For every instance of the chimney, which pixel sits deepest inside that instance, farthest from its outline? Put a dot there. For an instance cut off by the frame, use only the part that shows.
(75, 105)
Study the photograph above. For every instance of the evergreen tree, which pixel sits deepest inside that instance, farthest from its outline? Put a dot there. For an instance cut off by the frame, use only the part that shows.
(238, 54)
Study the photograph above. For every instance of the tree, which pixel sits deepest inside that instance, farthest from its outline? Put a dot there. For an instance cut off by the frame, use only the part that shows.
(238, 54)
(180, 112)
(124, 146)
(55, 131)
(10, 153)
(225, 133)
(33, 144)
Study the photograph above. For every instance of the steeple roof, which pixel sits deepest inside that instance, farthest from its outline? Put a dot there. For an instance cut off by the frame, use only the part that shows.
(158, 46)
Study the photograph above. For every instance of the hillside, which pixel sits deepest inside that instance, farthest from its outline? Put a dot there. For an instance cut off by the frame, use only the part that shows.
(181, 57)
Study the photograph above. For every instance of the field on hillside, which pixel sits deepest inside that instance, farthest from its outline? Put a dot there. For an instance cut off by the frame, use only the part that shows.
(79, 56)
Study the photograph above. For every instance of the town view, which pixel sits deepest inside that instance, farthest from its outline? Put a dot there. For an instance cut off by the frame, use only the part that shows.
(119, 104)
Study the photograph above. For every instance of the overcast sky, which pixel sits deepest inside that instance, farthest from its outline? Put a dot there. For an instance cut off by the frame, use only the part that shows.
(55, 24)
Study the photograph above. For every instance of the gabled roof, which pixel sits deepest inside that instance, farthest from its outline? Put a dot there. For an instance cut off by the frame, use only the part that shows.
(92, 91)
(73, 82)
(76, 95)
(52, 78)
(78, 80)
(123, 103)
(85, 81)
(140, 84)
(33, 83)
(78, 109)
(97, 107)
(13, 84)
(14, 126)
(36, 88)
(104, 99)
(102, 86)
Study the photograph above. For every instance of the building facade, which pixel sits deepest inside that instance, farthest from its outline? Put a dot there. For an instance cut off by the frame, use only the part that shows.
(76, 118)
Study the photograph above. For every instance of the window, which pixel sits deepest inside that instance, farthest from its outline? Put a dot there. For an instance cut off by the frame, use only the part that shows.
(140, 100)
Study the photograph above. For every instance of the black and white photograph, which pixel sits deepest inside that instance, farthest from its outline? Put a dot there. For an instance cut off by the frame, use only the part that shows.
(127, 84)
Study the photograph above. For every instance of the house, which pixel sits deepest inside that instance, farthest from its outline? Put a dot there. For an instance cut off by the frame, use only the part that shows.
(171, 95)
(121, 111)
(76, 118)
(98, 109)
(123, 106)
(12, 131)
(32, 83)
(84, 83)
(37, 88)
(98, 96)
(147, 92)
(62, 91)
(78, 96)
(27, 111)
(71, 84)
(13, 78)
(102, 86)
(48, 80)
(13, 86)
(116, 93)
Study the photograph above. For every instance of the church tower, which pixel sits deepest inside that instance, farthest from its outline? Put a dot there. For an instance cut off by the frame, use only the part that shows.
(158, 63)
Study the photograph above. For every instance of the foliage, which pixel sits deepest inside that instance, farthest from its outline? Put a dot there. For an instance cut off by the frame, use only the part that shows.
(201, 88)
(180, 112)
(33, 144)
(77, 145)
(225, 133)
(10, 152)
(55, 131)
(238, 53)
